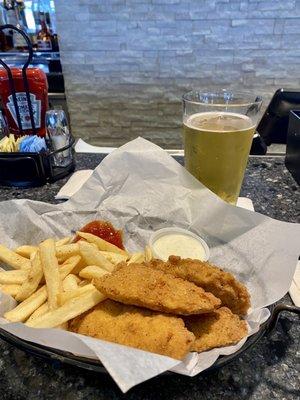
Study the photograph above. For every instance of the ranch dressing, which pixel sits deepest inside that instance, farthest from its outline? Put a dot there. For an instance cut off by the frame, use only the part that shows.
(178, 244)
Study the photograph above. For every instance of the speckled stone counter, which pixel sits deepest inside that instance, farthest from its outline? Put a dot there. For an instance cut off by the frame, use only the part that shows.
(268, 370)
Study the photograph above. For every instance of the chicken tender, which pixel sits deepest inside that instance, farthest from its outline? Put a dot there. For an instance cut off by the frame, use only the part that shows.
(143, 286)
(223, 285)
(135, 327)
(218, 329)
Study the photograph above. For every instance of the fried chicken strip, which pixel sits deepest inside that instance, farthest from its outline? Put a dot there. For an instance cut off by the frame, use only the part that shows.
(139, 285)
(135, 327)
(218, 329)
(223, 285)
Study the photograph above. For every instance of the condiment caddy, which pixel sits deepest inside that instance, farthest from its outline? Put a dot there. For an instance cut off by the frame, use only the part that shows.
(43, 156)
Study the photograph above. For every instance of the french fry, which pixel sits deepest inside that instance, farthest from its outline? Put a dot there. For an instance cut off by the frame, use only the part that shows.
(93, 257)
(69, 266)
(69, 310)
(28, 306)
(148, 254)
(92, 272)
(51, 271)
(26, 251)
(13, 259)
(136, 258)
(34, 277)
(63, 241)
(81, 264)
(70, 294)
(10, 289)
(84, 282)
(114, 258)
(39, 311)
(66, 251)
(13, 277)
(33, 302)
(101, 244)
(70, 283)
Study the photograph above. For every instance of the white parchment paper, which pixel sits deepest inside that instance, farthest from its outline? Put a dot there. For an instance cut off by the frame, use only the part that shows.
(140, 188)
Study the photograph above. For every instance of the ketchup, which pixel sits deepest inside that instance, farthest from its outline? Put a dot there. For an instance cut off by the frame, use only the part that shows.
(38, 89)
(105, 231)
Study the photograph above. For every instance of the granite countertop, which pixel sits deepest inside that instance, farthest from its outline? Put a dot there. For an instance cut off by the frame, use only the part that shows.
(268, 370)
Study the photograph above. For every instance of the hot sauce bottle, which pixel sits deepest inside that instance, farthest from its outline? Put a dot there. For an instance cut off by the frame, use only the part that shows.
(38, 89)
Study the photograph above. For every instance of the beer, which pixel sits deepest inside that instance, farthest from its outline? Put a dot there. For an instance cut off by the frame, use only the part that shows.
(217, 146)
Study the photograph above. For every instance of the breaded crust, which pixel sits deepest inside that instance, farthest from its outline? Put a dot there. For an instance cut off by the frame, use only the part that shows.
(218, 329)
(147, 287)
(223, 285)
(135, 327)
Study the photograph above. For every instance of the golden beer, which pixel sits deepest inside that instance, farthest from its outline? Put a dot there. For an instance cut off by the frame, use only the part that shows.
(217, 146)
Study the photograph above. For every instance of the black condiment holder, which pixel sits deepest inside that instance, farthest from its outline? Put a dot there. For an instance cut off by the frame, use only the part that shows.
(292, 158)
(22, 169)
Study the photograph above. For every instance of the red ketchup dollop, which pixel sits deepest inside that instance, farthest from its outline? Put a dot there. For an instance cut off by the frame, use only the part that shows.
(105, 231)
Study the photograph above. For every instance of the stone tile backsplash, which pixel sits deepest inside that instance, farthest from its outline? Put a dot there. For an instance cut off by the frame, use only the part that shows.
(127, 62)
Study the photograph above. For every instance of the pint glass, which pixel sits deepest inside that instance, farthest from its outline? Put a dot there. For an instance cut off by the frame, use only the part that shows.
(218, 128)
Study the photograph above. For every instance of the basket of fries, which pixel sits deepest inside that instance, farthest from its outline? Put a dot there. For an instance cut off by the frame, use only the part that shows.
(79, 276)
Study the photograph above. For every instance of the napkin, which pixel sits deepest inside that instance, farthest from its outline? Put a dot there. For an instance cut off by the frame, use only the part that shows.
(33, 144)
(294, 291)
(74, 184)
(82, 147)
(246, 203)
(80, 177)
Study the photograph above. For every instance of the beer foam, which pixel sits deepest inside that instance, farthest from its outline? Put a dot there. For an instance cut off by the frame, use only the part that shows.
(218, 121)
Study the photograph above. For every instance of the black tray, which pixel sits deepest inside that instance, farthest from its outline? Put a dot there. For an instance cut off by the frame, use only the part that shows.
(34, 169)
(50, 354)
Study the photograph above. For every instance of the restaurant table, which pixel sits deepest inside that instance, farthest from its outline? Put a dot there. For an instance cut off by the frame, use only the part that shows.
(268, 370)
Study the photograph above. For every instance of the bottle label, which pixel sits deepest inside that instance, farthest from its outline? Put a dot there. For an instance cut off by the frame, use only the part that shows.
(44, 45)
(24, 110)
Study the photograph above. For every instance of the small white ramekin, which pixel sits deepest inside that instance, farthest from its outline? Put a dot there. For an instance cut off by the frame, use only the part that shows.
(166, 231)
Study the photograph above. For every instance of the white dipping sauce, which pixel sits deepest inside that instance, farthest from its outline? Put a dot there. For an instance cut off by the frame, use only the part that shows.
(178, 244)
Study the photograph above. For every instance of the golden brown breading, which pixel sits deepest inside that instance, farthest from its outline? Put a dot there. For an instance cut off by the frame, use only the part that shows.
(143, 286)
(135, 327)
(218, 329)
(223, 285)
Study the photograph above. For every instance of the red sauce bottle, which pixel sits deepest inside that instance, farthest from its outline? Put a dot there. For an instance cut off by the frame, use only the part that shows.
(38, 89)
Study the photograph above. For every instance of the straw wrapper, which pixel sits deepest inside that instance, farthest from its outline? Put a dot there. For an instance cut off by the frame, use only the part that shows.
(140, 188)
